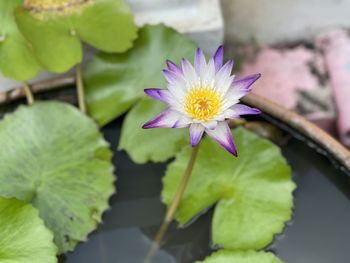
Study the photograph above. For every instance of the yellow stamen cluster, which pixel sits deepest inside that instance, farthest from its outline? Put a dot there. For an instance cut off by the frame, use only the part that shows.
(55, 6)
(203, 103)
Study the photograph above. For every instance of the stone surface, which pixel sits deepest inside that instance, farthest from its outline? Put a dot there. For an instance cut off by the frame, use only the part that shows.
(276, 21)
(284, 72)
(336, 48)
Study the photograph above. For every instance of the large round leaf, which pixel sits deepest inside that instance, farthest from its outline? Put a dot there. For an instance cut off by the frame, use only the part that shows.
(55, 29)
(252, 193)
(155, 145)
(115, 82)
(225, 256)
(53, 43)
(17, 60)
(55, 157)
(23, 235)
(107, 25)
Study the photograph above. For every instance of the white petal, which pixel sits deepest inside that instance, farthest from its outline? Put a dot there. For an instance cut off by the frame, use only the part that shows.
(211, 125)
(178, 91)
(232, 97)
(200, 63)
(190, 76)
(208, 77)
(223, 79)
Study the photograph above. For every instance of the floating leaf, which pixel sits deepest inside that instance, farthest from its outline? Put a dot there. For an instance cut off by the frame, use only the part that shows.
(115, 82)
(17, 60)
(57, 52)
(54, 156)
(252, 193)
(155, 145)
(107, 25)
(23, 235)
(56, 28)
(225, 256)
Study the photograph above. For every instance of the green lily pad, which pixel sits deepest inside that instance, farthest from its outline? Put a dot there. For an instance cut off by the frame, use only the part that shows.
(17, 60)
(56, 52)
(54, 157)
(225, 256)
(55, 32)
(107, 25)
(116, 82)
(23, 235)
(252, 194)
(155, 145)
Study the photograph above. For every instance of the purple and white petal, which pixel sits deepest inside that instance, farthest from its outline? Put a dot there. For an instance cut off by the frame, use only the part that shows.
(190, 75)
(200, 63)
(222, 134)
(227, 114)
(173, 67)
(218, 58)
(161, 95)
(176, 84)
(208, 77)
(237, 110)
(178, 91)
(246, 82)
(239, 89)
(232, 97)
(223, 79)
(241, 109)
(168, 119)
(171, 76)
(211, 125)
(196, 133)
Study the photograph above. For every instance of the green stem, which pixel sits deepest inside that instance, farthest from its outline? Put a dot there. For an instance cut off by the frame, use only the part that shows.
(169, 217)
(28, 92)
(80, 89)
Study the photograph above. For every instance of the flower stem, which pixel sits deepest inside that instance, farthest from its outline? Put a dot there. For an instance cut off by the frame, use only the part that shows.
(169, 217)
(28, 92)
(80, 89)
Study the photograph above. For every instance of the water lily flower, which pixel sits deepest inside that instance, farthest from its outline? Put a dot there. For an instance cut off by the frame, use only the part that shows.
(202, 97)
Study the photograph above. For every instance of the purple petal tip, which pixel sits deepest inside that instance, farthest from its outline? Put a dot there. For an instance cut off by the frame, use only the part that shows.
(219, 57)
(147, 125)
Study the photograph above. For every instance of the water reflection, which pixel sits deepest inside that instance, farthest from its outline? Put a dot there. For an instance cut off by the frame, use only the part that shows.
(319, 232)
(128, 245)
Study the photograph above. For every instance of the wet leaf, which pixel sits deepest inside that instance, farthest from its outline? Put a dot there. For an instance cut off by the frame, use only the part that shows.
(155, 145)
(17, 60)
(55, 32)
(116, 82)
(225, 256)
(23, 235)
(252, 194)
(54, 157)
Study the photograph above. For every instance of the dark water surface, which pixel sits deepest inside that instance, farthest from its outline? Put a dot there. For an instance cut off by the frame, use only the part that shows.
(318, 233)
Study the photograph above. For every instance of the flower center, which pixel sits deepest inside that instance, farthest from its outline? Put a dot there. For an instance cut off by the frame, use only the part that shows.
(203, 103)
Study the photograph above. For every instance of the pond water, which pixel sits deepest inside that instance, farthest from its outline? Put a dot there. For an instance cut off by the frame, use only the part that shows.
(318, 233)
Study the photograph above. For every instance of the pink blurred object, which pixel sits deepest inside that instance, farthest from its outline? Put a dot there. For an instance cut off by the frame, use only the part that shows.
(323, 120)
(283, 73)
(336, 48)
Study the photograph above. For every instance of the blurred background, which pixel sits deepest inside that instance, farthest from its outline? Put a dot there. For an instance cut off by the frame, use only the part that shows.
(302, 49)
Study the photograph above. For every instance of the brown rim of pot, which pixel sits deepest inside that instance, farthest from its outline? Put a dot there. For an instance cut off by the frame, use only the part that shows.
(302, 125)
(292, 119)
